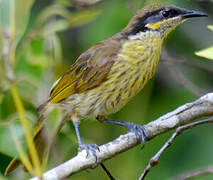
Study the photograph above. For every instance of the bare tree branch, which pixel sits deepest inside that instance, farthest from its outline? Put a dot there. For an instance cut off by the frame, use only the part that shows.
(154, 160)
(182, 115)
(196, 173)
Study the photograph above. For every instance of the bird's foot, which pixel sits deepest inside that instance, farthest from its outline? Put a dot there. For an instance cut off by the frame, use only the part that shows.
(90, 149)
(139, 131)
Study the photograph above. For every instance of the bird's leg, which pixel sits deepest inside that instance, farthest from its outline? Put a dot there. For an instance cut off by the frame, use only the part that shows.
(88, 147)
(139, 130)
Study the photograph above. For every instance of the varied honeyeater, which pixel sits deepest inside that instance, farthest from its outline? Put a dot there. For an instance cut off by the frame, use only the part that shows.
(105, 77)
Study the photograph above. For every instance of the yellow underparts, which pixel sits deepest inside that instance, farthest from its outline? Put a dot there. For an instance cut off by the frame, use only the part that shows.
(134, 66)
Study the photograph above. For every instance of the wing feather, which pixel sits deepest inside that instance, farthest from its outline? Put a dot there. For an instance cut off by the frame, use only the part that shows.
(89, 70)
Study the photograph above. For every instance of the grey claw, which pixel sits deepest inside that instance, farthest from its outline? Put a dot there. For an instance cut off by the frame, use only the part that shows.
(139, 131)
(90, 148)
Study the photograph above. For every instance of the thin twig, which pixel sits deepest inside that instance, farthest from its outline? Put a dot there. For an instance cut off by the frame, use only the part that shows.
(182, 115)
(107, 172)
(179, 76)
(168, 59)
(193, 64)
(154, 160)
(195, 173)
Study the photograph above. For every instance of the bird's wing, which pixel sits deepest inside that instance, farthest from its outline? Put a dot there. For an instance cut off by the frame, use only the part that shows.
(89, 70)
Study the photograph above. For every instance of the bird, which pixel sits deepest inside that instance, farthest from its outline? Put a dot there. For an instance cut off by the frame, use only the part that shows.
(106, 76)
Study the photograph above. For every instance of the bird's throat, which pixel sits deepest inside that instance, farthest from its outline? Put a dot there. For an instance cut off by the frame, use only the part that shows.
(143, 36)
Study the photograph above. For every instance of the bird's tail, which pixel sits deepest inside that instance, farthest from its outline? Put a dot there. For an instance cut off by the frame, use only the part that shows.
(39, 138)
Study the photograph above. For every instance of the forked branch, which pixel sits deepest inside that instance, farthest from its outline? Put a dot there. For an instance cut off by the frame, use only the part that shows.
(154, 160)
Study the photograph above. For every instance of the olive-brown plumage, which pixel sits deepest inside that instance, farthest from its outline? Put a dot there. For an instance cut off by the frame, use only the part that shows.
(105, 77)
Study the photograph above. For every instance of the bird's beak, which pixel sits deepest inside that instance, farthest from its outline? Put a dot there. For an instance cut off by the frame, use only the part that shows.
(192, 13)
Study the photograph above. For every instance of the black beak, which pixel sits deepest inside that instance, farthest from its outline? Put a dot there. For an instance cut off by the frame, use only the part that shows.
(192, 13)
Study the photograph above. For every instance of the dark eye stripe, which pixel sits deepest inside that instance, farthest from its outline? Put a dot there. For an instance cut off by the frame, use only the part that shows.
(152, 17)
(142, 21)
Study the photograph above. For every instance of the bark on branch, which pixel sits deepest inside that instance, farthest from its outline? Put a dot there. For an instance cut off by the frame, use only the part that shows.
(182, 115)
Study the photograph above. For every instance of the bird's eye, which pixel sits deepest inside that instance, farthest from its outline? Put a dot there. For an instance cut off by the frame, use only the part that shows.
(166, 13)
(169, 13)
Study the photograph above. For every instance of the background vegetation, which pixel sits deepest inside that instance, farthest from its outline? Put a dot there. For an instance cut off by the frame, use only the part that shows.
(39, 40)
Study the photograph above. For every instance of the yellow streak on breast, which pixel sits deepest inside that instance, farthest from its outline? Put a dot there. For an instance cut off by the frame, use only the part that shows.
(135, 65)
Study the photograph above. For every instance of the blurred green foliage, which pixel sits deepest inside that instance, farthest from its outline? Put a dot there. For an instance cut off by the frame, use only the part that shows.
(207, 53)
(45, 37)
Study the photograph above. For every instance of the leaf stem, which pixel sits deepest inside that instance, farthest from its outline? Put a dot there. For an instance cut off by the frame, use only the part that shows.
(28, 135)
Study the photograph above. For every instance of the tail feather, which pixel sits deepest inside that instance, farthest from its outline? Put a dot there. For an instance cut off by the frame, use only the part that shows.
(40, 139)
(40, 144)
(40, 108)
(14, 163)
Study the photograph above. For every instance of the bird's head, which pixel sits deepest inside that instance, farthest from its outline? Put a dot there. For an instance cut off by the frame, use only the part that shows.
(159, 18)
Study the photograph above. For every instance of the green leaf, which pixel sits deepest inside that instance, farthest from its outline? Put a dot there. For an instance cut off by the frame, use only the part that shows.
(7, 14)
(7, 145)
(82, 17)
(207, 53)
(22, 16)
(55, 26)
(51, 11)
(14, 16)
(210, 27)
(21, 29)
(22, 9)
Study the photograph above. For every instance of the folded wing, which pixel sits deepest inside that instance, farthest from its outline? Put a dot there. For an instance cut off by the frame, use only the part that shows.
(89, 70)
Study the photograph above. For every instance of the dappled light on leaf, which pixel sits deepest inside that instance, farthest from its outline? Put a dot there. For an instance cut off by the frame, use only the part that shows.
(206, 53)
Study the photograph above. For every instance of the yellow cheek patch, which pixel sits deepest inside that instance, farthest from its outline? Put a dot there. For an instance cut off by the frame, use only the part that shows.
(154, 26)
